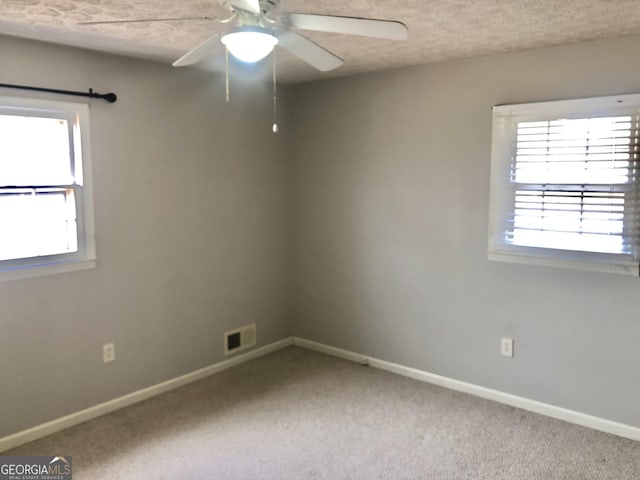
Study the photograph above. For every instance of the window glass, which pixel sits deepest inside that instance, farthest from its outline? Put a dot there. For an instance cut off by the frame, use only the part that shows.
(34, 151)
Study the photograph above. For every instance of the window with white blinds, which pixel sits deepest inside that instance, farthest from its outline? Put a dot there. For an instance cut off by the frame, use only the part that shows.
(564, 187)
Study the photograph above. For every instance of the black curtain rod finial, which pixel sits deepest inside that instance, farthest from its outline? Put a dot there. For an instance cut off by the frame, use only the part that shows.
(109, 97)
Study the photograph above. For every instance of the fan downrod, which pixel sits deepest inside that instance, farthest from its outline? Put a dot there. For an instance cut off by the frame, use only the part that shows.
(268, 5)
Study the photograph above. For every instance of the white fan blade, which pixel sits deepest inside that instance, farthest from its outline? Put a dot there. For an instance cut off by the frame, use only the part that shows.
(195, 55)
(308, 51)
(141, 20)
(367, 27)
(252, 6)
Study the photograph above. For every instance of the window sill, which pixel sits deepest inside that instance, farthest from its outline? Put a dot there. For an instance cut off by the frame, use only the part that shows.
(620, 268)
(44, 270)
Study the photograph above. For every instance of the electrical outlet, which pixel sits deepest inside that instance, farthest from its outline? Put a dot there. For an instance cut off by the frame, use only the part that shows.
(506, 347)
(108, 352)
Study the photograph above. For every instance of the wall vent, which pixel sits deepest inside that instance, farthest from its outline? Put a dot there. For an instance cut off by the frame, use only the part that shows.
(239, 339)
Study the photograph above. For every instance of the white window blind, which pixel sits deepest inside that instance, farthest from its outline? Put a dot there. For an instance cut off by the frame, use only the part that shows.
(565, 183)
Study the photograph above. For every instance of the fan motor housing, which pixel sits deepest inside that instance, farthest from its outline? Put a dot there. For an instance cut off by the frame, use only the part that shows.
(265, 5)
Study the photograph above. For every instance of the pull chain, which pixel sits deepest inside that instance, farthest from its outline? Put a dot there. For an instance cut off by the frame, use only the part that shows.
(226, 58)
(275, 94)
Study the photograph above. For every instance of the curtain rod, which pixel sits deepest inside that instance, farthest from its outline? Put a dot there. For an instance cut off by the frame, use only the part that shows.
(109, 97)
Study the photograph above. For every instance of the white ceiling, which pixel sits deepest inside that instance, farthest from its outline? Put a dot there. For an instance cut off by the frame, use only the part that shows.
(438, 29)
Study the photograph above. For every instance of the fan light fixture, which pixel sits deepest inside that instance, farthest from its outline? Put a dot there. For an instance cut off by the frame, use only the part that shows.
(250, 44)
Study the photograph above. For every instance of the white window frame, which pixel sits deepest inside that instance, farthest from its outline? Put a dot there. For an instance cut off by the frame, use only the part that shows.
(77, 116)
(502, 200)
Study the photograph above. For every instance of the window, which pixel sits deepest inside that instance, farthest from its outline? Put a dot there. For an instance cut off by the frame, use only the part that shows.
(564, 184)
(45, 193)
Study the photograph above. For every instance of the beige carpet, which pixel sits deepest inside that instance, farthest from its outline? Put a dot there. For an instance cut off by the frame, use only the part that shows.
(297, 414)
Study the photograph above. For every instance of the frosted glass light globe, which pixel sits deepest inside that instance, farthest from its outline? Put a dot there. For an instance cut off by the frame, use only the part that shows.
(250, 44)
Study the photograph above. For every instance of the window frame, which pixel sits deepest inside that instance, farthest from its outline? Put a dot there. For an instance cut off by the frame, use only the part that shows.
(505, 119)
(77, 116)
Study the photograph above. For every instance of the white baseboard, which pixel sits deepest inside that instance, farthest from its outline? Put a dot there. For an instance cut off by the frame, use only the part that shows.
(67, 421)
(333, 351)
(553, 411)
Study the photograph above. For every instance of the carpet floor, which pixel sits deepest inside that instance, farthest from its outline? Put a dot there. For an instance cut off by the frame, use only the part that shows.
(297, 414)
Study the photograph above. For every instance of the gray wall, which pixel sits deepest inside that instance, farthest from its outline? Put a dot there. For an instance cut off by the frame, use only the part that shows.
(191, 226)
(390, 176)
(380, 217)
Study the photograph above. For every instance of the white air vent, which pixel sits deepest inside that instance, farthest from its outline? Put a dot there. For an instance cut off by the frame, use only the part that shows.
(239, 339)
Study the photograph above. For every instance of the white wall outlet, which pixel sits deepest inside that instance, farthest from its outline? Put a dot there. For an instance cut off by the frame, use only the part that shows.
(108, 352)
(506, 347)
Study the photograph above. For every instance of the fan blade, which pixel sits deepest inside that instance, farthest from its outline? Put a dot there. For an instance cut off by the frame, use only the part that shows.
(366, 27)
(141, 20)
(252, 6)
(198, 53)
(308, 51)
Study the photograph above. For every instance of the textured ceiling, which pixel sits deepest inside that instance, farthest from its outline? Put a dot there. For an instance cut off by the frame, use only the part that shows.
(438, 29)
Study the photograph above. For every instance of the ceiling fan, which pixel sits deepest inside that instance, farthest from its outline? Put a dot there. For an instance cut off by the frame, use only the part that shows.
(255, 33)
